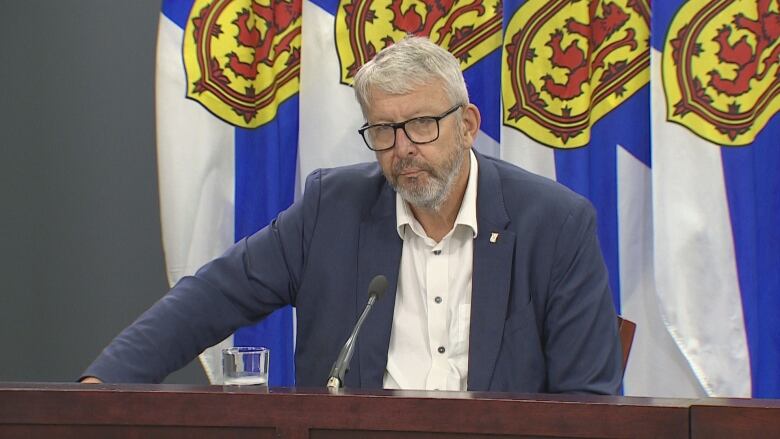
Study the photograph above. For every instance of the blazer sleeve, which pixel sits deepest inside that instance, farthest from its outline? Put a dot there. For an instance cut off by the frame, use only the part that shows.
(254, 277)
(582, 347)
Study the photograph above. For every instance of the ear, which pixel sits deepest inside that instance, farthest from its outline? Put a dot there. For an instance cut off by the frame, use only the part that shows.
(471, 121)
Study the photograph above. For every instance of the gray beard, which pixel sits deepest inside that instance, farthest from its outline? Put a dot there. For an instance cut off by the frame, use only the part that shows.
(432, 195)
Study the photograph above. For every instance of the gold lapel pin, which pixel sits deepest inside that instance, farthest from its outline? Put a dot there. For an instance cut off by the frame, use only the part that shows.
(493, 237)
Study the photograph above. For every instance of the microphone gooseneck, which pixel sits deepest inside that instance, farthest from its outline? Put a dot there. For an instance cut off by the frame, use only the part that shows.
(376, 289)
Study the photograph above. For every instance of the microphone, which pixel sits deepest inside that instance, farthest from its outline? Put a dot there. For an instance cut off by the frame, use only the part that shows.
(376, 289)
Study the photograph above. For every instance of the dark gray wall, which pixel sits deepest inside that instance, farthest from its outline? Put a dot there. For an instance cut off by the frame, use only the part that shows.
(80, 230)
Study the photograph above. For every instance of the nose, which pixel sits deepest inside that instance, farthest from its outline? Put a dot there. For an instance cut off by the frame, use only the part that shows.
(404, 146)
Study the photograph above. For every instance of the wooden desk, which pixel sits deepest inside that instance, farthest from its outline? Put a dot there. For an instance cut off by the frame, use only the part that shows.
(171, 411)
(735, 418)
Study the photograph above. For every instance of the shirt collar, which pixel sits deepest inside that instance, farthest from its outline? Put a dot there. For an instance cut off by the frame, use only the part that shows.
(467, 215)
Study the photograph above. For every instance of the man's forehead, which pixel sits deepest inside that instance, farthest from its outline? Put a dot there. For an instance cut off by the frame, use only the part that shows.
(424, 100)
(407, 87)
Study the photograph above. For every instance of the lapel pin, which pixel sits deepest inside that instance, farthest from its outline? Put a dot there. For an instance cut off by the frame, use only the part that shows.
(493, 237)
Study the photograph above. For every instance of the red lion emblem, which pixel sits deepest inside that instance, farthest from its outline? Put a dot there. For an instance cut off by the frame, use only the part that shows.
(740, 95)
(243, 58)
(562, 74)
(765, 31)
(412, 22)
(577, 61)
(364, 27)
(278, 17)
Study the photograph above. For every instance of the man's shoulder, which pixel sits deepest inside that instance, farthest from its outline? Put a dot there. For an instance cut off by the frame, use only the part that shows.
(353, 185)
(350, 178)
(364, 171)
(521, 187)
(530, 201)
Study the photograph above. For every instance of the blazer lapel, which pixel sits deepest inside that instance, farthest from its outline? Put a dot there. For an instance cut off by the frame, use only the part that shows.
(491, 277)
(379, 252)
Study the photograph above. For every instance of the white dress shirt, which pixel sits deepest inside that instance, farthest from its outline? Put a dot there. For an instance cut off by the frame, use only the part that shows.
(429, 342)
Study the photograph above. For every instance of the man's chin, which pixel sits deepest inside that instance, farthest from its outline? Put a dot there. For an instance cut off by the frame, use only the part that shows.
(416, 195)
(415, 182)
(412, 185)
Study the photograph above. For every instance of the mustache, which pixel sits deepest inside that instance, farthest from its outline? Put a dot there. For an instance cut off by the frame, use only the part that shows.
(411, 162)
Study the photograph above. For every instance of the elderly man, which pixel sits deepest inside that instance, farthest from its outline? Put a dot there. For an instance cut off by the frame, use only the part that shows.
(496, 280)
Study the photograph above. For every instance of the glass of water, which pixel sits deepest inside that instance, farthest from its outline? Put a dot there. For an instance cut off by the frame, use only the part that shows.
(245, 366)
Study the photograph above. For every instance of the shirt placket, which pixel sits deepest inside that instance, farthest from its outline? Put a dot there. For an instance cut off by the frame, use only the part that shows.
(437, 301)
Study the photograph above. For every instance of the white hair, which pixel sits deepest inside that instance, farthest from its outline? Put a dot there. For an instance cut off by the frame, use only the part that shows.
(407, 65)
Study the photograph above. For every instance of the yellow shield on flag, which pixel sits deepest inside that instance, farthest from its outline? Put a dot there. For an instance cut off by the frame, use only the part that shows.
(720, 69)
(242, 57)
(570, 62)
(469, 30)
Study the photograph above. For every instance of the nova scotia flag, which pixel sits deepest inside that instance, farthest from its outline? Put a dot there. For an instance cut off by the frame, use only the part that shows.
(227, 122)
(576, 110)
(686, 196)
(716, 189)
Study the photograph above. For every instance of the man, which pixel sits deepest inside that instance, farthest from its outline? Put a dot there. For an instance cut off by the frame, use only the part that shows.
(496, 280)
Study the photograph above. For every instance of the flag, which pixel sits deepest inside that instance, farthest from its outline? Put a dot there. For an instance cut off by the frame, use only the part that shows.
(684, 223)
(716, 189)
(576, 109)
(227, 114)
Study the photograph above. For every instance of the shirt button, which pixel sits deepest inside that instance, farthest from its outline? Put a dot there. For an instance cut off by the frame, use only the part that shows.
(437, 299)
(441, 349)
(437, 252)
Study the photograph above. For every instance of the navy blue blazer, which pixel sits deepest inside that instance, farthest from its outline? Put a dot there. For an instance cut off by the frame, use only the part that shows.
(542, 317)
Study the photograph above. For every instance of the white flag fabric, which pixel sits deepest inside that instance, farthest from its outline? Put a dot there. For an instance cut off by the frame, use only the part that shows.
(195, 169)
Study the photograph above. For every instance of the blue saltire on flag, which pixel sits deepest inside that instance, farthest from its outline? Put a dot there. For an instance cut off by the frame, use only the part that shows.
(266, 159)
(753, 187)
(481, 79)
(592, 171)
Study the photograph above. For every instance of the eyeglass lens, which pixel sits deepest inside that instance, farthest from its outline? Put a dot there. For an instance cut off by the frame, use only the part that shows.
(420, 130)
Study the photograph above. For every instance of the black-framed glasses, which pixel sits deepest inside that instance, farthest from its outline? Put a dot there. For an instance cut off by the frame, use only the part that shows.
(423, 129)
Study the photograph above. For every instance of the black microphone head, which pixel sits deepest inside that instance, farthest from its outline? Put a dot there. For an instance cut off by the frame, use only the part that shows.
(377, 286)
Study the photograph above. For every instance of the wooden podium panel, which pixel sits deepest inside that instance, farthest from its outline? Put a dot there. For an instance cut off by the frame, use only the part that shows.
(735, 418)
(172, 411)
